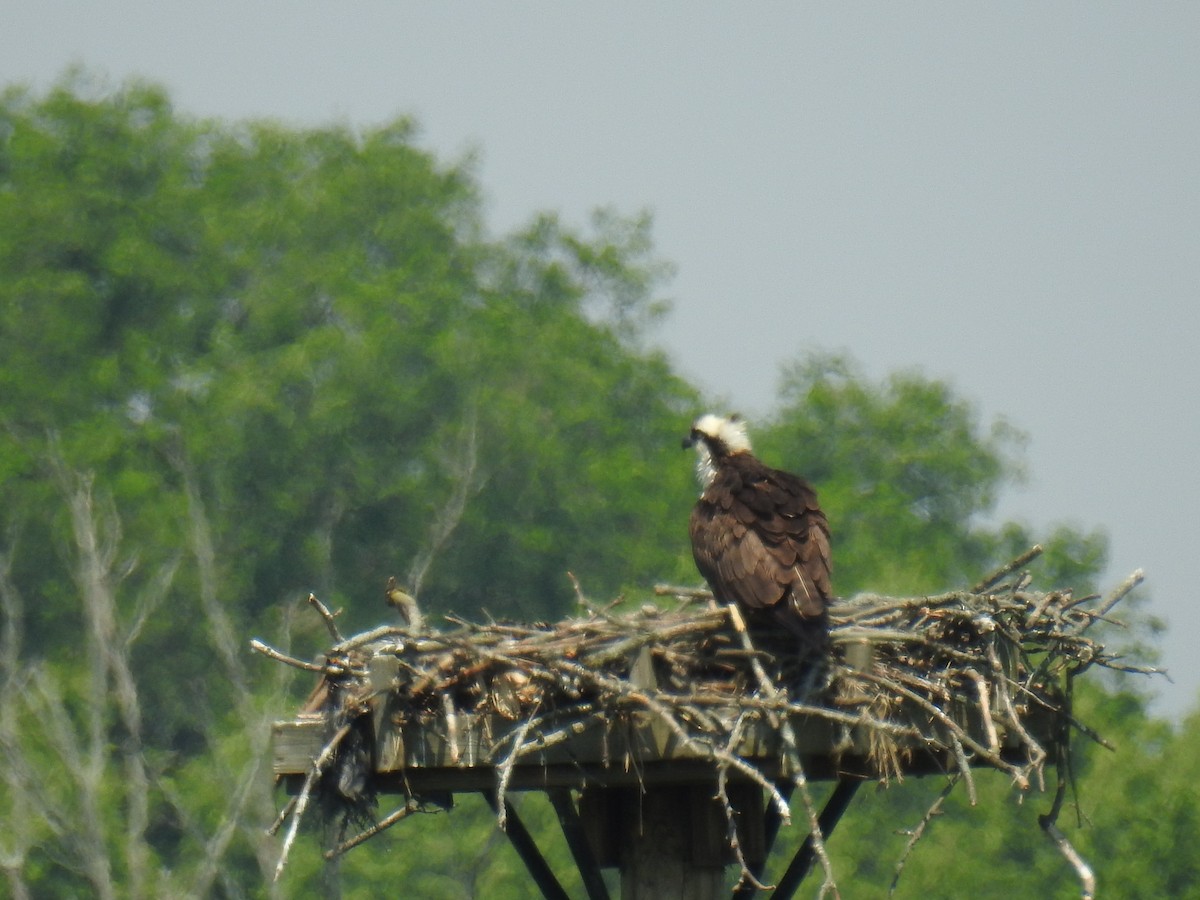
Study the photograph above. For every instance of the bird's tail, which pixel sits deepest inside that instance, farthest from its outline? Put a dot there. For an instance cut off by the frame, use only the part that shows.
(812, 671)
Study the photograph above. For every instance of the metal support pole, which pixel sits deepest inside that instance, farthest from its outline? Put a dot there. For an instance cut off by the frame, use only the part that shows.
(568, 818)
(802, 862)
(523, 843)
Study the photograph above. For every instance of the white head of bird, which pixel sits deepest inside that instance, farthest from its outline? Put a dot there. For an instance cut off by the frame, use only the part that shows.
(715, 437)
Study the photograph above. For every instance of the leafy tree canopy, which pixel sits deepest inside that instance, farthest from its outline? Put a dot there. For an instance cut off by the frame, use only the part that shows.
(908, 474)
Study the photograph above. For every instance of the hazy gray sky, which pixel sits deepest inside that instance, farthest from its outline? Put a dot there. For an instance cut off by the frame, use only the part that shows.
(1006, 197)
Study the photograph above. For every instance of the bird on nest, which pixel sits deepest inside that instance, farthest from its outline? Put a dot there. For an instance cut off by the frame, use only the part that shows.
(758, 535)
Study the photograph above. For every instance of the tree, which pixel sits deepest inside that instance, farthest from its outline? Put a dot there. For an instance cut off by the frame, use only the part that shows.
(906, 472)
(284, 361)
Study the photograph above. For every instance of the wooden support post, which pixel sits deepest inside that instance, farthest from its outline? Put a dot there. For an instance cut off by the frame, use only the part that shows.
(664, 852)
(522, 841)
(802, 862)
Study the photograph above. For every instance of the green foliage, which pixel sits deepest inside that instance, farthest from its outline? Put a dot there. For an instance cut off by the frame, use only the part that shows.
(904, 469)
(907, 474)
(291, 362)
(239, 363)
(1136, 809)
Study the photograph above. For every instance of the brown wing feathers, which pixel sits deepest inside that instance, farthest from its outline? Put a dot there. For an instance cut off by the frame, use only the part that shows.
(760, 539)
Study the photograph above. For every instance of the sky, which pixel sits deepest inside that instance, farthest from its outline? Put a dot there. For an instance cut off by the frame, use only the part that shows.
(1006, 197)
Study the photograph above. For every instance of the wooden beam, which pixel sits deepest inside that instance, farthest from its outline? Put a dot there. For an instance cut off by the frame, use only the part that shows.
(479, 742)
(428, 780)
(405, 748)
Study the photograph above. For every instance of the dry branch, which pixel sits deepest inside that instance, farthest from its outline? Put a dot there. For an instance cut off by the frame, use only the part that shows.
(327, 617)
(382, 825)
(916, 833)
(314, 773)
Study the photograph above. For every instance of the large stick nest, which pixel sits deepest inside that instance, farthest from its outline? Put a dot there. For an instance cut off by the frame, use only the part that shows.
(969, 678)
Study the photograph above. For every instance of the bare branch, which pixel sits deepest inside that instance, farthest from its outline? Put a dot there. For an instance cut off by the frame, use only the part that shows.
(17, 838)
(1087, 878)
(318, 766)
(220, 625)
(97, 537)
(327, 617)
(271, 652)
(467, 483)
(150, 597)
(1115, 596)
(915, 834)
(1007, 569)
(382, 825)
(84, 833)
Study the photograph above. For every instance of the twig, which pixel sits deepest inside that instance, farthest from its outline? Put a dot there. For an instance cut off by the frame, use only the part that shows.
(671, 590)
(985, 709)
(504, 772)
(382, 825)
(792, 754)
(467, 483)
(994, 758)
(327, 669)
(1087, 878)
(747, 876)
(581, 716)
(370, 637)
(1116, 596)
(698, 746)
(1039, 608)
(1024, 559)
(1036, 754)
(282, 817)
(327, 617)
(310, 781)
(964, 769)
(915, 834)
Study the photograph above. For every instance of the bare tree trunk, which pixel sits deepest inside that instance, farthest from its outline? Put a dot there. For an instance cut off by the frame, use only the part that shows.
(96, 546)
(222, 633)
(251, 804)
(17, 836)
(67, 790)
(467, 483)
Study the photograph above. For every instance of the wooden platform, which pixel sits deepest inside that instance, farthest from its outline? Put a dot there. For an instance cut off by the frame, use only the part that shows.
(601, 779)
(420, 754)
(620, 717)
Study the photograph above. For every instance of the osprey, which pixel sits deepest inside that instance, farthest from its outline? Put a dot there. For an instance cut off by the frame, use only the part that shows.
(758, 536)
